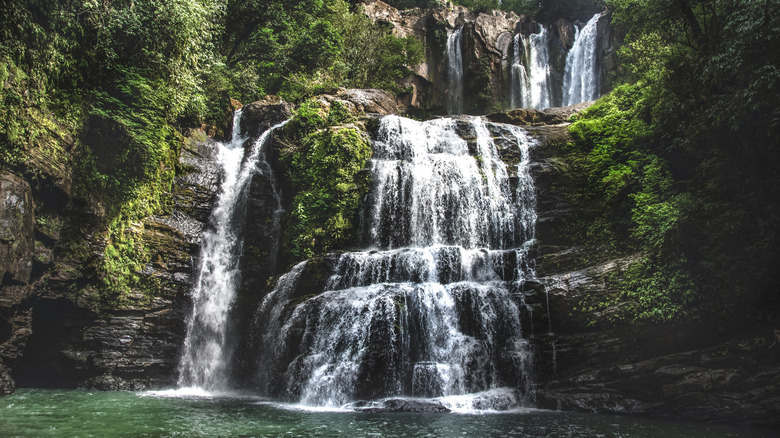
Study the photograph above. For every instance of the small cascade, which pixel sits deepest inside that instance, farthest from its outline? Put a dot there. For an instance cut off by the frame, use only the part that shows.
(520, 86)
(455, 72)
(434, 307)
(582, 78)
(207, 352)
(531, 85)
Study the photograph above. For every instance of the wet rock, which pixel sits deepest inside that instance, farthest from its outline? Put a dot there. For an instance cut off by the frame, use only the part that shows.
(17, 222)
(404, 405)
(113, 383)
(565, 32)
(260, 115)
(537, 118)
(7, 385)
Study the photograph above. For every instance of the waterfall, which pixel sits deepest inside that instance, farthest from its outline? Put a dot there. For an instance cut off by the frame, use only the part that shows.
(530, 74)
(455, 72)
(581, 80)
(206, 353)
(520, 87)
(433, 308)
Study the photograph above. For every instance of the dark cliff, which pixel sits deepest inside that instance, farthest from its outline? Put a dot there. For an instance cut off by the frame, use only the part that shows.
(54, 334)
(682, 371)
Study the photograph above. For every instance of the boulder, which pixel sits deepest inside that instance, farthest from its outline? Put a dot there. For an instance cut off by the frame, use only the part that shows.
(7, 385)
(258, 116)
(419, 406)
(368, 101)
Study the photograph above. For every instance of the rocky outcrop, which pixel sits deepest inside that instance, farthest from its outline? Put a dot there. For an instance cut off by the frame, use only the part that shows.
(17, 221)
(487, 50)
(53, 333)
(261, 115)
(17, 252)
(361, 102)
(535, 119)
(587, 361)
(665, 372)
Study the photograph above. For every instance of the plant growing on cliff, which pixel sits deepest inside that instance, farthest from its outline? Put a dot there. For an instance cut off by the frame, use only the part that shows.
(640, 206)
(685, 159)
(323, 162)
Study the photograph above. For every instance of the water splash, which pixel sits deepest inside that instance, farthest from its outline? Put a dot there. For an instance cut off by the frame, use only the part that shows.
(582, 78)
(206, 355)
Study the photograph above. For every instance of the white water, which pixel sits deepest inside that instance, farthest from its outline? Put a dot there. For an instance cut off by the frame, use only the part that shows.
(455, 72)
(581, 80)
(207, 352)
(433, 309)
(531, 81)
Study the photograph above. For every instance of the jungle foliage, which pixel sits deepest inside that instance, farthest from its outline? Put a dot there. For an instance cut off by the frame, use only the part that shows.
(125, 78)
(684, 158)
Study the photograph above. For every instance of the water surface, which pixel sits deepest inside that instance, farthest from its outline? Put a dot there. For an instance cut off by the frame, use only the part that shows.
(77, 413)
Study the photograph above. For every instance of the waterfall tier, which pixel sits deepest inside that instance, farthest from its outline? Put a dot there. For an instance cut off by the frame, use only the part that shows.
(581, 80)
(536, 84)
(206, 354)
(434, 307)
(531, 79)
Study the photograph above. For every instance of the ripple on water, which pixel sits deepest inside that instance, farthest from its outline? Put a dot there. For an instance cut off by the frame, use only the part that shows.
(36, 412)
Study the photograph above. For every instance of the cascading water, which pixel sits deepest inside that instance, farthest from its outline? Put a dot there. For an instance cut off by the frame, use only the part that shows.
(531, 82)
(520, 86)
(455, 72)
(207, 352)
(433, 308)
(581, 80)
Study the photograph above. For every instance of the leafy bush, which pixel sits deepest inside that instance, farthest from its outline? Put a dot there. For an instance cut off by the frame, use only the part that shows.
(640, 207)
(323, 165)
(684, 160)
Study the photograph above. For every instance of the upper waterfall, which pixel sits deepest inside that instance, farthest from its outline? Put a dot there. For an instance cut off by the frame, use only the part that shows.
(531, 85)
(582, 78)
(455, 71)
(207, 351)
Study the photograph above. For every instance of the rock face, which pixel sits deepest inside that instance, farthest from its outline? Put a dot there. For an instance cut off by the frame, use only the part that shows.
(487, 51)
(583, 362)
(261, 115)
(17, 221)
(53, 338)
